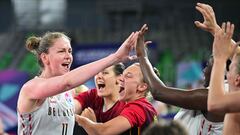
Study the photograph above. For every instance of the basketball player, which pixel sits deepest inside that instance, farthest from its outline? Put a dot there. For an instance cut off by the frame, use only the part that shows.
(194, 116)
(218, 99)
(101, 104)
(137, 114)
(45, 106)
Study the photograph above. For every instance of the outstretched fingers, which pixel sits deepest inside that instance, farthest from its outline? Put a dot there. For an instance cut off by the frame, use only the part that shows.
(143, 29)
(209, 24)
(222, 46)
(229, 30)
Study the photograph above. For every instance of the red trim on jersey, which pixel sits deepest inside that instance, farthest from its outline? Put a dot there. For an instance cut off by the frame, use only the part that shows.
(209, 129)
(203, 121)
(23, 125)
(22, 117)
(29, 117)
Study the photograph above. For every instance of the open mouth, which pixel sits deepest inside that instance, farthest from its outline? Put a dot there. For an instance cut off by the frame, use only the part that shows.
(66, 65)
(121, 89)
(101, 86)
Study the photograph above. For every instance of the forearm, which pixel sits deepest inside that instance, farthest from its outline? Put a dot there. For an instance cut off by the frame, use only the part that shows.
(92, 128)
(216, 92)
(82, 74)
(195, 99)
(152, 79)
(72, 79)
(188, 99)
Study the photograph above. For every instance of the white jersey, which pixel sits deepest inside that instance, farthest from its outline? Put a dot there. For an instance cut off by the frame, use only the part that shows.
(54, 117)
(197, 124)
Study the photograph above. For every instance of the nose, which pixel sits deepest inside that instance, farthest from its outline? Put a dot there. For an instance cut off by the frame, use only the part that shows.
(99, 76)
(68, 55)
(121, 78)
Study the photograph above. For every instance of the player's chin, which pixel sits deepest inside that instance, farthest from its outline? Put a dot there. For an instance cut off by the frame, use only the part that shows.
(122, 98)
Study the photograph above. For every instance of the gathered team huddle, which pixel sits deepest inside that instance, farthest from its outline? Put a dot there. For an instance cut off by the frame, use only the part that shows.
(48, 104)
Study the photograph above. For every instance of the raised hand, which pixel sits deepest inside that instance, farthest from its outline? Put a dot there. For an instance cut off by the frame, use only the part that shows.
(140, 46)
(89, 113)
(209, 24)
(123, 53)
(222, 46)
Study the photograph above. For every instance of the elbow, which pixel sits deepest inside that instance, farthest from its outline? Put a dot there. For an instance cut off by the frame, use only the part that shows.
(156, 94)
(152, 89)
(156, 89)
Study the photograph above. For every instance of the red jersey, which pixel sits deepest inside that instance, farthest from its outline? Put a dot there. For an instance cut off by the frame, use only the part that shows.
(140, 113)
(91, 99)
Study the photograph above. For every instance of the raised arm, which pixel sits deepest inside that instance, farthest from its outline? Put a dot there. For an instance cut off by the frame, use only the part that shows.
(51, 86)
(223, 49)
(189, 99)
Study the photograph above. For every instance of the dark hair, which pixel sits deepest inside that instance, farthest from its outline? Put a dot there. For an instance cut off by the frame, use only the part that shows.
(208, 70)
(118, 68)
(39, 45)
(165, 128)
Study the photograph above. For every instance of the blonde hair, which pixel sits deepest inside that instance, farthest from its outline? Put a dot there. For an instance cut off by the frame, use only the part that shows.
(39, 45)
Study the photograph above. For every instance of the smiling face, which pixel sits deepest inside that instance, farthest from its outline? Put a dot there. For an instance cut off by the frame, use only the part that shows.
(59, 58)
(132, 83)
(106, 82)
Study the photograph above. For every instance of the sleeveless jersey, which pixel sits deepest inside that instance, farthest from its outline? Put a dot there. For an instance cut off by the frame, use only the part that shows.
(54, 117)
(197, 124)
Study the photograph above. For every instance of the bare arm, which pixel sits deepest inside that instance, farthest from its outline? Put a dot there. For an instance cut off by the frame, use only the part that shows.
(115, 126)
(78, 107)
(194, 99)
(190, 99)
(223, 49)
(40, 88)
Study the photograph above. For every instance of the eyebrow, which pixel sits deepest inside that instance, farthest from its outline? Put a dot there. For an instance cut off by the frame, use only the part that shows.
(64, 48)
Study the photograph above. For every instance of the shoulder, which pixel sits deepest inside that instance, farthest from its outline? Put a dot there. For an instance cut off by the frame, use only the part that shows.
(29, 88)
(140, 106)
(29, 85)
(142, 103)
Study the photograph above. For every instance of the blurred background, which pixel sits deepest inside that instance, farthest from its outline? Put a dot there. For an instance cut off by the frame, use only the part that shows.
(97, 28)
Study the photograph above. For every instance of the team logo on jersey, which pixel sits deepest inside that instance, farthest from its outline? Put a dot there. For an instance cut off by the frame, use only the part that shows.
(68, 98)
